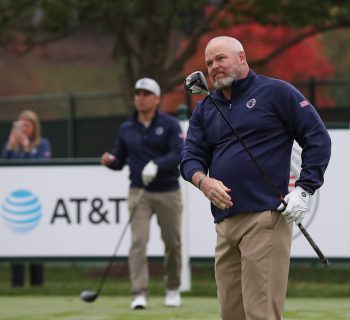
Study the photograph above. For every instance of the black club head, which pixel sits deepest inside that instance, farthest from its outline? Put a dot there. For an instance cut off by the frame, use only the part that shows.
(195, 83)
(88, 295)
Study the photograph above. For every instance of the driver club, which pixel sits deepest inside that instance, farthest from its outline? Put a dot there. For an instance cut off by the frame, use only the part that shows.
(195, 83)
(91, 295)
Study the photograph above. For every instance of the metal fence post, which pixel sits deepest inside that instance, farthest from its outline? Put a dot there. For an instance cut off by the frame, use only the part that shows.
(71, 136)
(312, 91)
(186, 282)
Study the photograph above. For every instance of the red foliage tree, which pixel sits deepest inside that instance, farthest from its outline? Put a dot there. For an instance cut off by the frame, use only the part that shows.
(299, 62)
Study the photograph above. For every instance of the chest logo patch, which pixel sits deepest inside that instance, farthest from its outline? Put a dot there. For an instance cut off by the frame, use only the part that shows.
(159, 131)
(251, 103)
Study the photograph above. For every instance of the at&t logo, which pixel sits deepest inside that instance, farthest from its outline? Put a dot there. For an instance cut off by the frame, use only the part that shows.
(21, 211)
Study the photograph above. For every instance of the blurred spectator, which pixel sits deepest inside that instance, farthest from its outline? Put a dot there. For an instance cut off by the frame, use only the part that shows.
(25, 142)
(150, 142)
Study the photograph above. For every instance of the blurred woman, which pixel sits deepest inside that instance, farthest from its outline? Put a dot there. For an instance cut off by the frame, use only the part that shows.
(25, 142)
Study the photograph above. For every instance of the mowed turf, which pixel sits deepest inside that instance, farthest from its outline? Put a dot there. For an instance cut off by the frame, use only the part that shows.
(314, 292)
(116, 308)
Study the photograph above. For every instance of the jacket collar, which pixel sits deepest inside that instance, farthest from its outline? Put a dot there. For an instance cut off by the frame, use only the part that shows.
(238, 86)
(134, 116)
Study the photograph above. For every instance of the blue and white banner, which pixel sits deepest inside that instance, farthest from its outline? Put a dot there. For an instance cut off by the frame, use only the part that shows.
(80, 211)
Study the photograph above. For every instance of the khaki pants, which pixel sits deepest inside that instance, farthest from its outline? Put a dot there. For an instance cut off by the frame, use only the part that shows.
(168, 208)
(252, 264)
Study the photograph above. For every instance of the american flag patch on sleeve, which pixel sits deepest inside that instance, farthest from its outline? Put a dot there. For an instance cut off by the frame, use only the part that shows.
(304, 103)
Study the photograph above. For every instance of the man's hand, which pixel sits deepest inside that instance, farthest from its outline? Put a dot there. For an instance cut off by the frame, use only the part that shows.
(297, 202)
(107, 159)
(214, 190)
(149, 172)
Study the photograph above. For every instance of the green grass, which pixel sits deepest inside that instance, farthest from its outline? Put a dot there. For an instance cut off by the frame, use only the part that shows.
(194, 308)
(317, 309)
(319, 281)
(72, 278)
(306, 280)
(314, 292)
(47, 308)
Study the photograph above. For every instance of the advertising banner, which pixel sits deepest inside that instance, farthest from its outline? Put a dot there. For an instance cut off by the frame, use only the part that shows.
(80, 211)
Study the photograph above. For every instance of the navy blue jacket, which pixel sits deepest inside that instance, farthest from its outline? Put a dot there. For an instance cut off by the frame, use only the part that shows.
(42, 151)
(161, 142)
(268, 114)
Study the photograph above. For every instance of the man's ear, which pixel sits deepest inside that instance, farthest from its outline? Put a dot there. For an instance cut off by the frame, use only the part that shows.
(158, 100)
(242, 57)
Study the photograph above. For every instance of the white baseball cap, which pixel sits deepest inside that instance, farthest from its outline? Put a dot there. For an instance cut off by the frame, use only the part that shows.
(148, 85)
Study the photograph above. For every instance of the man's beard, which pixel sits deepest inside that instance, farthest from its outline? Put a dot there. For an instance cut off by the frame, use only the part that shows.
(227, 81)
(223, 83)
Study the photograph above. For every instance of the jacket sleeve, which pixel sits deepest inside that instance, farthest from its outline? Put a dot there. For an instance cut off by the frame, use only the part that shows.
(119, 151)
(175, 141)
(307, 128)
(195, 155)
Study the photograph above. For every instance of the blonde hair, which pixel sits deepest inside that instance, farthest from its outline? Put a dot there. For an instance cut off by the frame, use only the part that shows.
(34, 120)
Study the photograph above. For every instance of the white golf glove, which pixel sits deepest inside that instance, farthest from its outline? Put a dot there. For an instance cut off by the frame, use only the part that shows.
(297, 202)
(149, 172)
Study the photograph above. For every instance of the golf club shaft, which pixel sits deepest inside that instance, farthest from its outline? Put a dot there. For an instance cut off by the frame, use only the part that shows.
(268, 180)
(138, 198)
(314, 245)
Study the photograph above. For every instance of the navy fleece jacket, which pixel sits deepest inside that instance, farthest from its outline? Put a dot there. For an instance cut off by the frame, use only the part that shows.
(161, 142)
(268, 114)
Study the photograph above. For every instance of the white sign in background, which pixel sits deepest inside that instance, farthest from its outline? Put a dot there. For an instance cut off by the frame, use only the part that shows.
(84, 212)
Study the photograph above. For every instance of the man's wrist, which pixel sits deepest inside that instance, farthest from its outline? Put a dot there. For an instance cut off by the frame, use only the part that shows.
(196, 177)
(201, 181)
(304, 190)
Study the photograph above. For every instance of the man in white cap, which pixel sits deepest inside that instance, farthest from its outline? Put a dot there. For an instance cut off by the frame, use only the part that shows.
(150, 142)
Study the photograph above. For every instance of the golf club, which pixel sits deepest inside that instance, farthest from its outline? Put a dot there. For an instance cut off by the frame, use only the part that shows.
(91, 295)
(195, 83)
